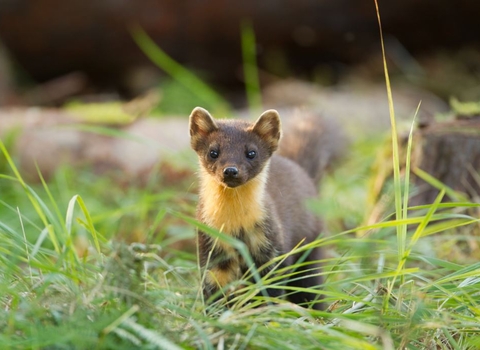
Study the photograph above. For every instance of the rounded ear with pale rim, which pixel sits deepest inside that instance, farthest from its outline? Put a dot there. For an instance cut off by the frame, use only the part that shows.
(269, 127)
(201, 125)
(201, 122)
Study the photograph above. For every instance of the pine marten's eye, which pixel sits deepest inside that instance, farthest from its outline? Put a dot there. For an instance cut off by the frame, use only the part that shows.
(251, 154)
(213, 154)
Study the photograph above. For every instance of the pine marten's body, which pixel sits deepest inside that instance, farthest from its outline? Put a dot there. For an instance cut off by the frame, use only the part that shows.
(253, 195)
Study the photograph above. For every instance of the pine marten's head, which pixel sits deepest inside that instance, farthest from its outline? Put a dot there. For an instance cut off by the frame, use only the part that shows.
(234, 151)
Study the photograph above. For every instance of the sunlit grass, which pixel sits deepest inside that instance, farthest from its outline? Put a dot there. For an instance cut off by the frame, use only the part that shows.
(147, 295)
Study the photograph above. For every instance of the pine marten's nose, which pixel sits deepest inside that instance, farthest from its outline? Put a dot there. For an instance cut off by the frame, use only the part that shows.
(230, 172)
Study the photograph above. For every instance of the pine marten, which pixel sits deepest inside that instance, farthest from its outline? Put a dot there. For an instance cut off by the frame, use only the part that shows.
(249, 192)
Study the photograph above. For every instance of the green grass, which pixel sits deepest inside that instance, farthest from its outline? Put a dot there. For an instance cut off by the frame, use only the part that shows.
(250, 70)
(146, 295)
(73, 276)
(89, 264)
(189, 81)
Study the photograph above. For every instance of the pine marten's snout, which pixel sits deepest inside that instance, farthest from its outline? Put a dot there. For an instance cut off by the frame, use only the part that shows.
(230, 172)
(231, 176)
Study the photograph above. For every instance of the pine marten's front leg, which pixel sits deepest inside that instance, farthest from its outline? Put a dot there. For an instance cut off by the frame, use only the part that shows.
(223, 266)
(265, 266)
(220, 266)
(222, 272)
(264, 245)
(219, 275)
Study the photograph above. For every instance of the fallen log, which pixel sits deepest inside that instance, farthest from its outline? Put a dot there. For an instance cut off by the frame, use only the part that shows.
(450, 152)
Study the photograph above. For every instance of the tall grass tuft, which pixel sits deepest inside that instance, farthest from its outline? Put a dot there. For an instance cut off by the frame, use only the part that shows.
(183, 76)
(402, 229)
(250, 70)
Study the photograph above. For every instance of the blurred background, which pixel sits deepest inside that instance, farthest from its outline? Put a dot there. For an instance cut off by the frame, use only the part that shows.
(52, 51)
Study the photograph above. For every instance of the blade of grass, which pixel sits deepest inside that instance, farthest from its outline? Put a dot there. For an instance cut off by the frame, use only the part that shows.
(454, 195)
(421, 227)
(418, 232)
(39, 242)
(467, 271)
(444, 226)
(121, 319)
(177, 71)
(26, 244)
(33, 199)
(447, 205)
(50, 197)
(374, 331)
(406, 191)
(152, 337)
(250, 71)
(89, 223)
(401, 232)
(452, 341)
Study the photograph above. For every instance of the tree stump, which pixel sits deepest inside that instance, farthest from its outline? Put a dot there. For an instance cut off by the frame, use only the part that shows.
(450, 152)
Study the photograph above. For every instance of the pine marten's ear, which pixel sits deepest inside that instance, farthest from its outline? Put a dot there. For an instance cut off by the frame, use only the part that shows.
(201, 124)
(268, 127)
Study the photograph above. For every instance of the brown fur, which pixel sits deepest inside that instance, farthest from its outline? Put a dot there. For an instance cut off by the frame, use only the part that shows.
(262, 203)
(312, 141)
